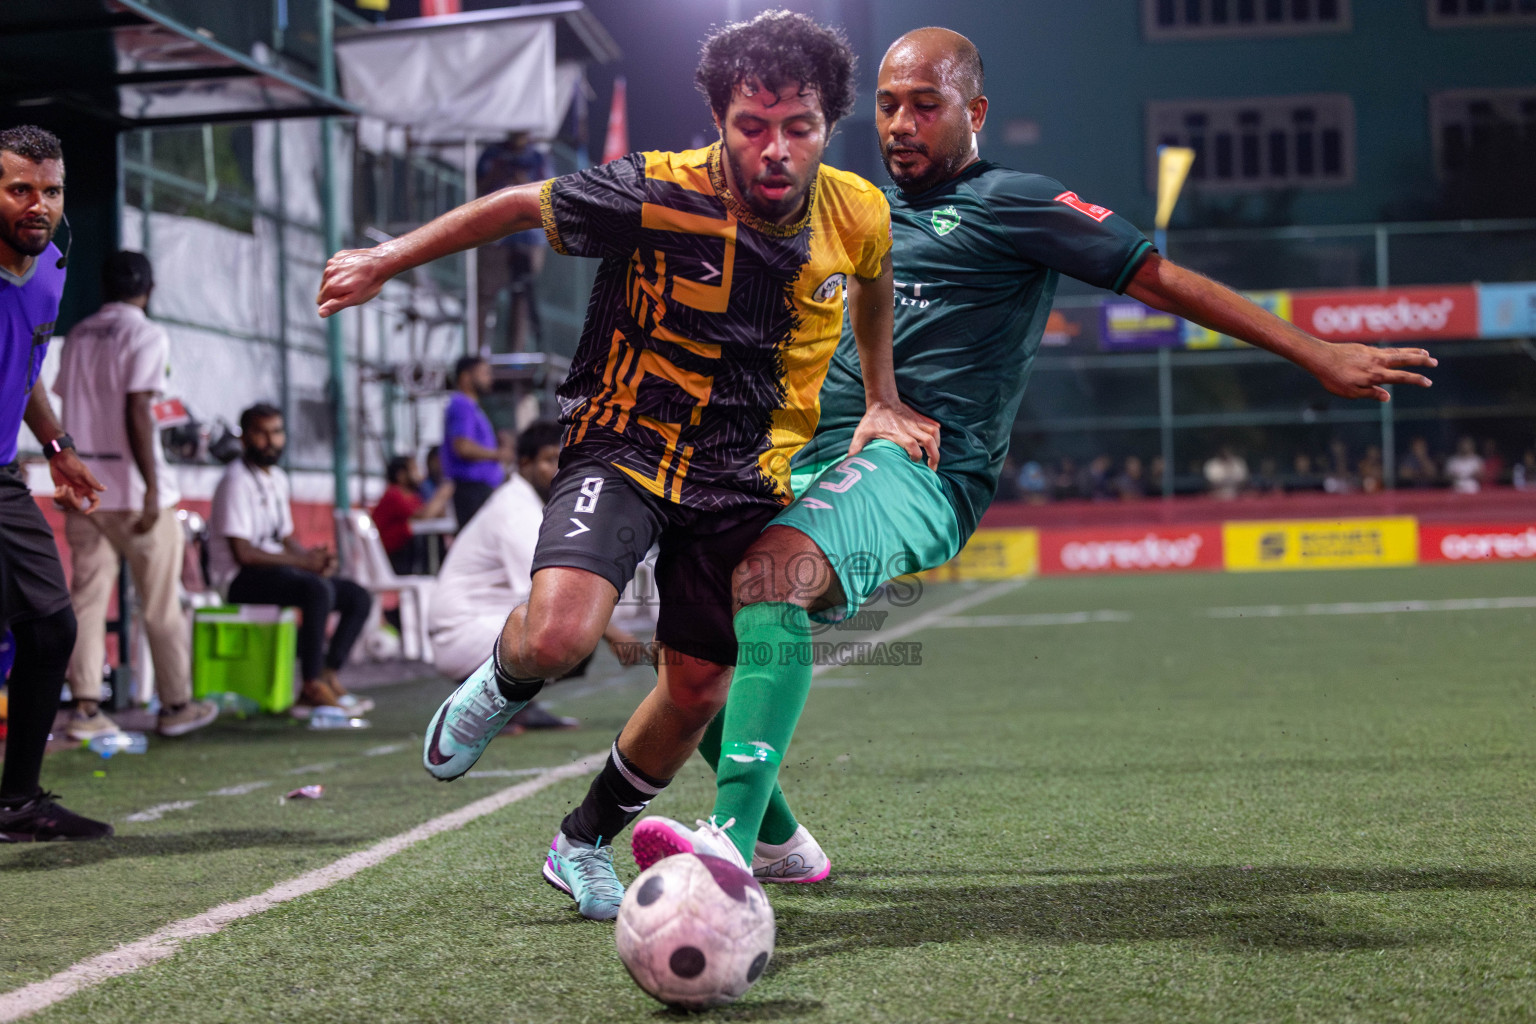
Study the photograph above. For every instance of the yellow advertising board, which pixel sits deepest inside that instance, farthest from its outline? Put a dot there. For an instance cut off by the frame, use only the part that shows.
(992, 555)
(1320, 544)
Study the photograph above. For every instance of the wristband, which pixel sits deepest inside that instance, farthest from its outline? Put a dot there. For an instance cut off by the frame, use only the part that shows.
(57, 445)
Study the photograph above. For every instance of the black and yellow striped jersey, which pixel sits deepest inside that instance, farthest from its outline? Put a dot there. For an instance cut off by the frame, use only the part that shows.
(709, 330)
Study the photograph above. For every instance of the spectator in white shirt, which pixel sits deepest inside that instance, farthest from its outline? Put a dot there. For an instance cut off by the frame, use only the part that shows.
(253, 558)
(1226, 474)
(1465, 468)
(489, 571)
(113, 367)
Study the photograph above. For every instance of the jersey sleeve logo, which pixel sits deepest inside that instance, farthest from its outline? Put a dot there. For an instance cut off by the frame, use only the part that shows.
(947, 218)
(1098, 213)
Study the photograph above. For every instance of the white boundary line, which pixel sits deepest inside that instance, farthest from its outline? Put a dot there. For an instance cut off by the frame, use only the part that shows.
(1459, 604)
(1015, 621)
(935, 617)
(132, 956)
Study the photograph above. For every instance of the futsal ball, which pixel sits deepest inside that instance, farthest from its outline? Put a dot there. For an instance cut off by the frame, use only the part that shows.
(695, 931)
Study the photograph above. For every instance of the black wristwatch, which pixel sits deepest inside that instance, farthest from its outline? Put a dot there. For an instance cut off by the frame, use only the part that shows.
(57, 445)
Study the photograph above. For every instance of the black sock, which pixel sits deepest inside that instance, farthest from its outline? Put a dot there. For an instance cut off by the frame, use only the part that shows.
(43, 647)
(514, 688)
(615, 798)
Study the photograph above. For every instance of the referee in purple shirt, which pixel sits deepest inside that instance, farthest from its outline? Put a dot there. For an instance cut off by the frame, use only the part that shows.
(34, 602)
(472, 456)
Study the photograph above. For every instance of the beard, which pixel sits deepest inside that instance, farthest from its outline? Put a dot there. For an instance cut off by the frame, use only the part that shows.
(918, 179)
(769, 210)
(264, 457)
(11, 235)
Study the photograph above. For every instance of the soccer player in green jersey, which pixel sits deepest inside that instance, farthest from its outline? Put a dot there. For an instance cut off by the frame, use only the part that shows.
(978, 250)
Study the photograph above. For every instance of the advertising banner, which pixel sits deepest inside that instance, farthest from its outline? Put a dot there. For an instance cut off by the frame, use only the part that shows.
(1477, 542)
(1388, 314)
(1506, 310)
(992, 555)
(1075, 328)
(1130, 549)
(1197, 337)
(1129, 326)
(1320, 544)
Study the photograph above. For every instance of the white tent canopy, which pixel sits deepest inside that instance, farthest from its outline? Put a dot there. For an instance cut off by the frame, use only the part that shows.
(481, 75)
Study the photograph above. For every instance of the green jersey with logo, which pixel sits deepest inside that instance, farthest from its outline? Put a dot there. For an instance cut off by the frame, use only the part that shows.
(977, 260)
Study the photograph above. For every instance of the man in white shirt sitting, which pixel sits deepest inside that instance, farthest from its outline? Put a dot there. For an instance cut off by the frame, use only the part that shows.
(114, 365)
(253, 558)
(489, 571)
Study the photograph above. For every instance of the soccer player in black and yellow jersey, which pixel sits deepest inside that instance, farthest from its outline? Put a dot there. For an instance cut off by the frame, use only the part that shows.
(978, 252)
(715, 313)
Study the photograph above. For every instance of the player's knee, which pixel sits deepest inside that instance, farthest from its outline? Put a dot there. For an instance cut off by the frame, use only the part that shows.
(551, 651)
(698, 700)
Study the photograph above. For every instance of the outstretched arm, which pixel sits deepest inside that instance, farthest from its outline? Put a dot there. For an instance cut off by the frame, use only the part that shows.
(353, 276)
(871, 308)
(1345, 369)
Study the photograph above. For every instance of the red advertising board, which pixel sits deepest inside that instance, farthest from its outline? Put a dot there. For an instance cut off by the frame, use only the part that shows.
(1388, 314)
(1477, 542)
(1130, 549)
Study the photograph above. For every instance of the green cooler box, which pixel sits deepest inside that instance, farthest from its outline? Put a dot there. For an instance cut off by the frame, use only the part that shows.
(246, 650)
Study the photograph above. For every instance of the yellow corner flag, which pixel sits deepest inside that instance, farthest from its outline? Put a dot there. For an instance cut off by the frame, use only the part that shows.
(373, 5)
(1173, 163)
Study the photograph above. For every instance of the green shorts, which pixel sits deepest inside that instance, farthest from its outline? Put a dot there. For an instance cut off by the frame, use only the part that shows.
(875, 515)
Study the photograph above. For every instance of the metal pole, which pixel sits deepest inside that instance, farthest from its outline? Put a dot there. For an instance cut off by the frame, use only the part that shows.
(471, 260)
(1165, 414)
(340, 444)
(1388, 412)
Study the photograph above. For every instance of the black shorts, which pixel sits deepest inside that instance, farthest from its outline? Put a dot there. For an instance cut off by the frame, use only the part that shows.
(600, 520)
(31, 575)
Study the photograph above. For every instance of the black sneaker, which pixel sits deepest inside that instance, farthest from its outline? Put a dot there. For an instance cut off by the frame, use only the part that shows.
(534, 716)
(40, 820)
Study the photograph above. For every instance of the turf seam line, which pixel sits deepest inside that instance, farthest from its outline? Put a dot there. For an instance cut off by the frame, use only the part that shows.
(133, 956)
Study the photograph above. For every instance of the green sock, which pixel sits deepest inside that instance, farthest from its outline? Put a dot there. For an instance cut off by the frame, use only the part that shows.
(779, 822)
(760, 715)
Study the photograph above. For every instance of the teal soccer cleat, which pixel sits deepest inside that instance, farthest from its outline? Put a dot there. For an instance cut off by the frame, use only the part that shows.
(585, 874)
(462, 728)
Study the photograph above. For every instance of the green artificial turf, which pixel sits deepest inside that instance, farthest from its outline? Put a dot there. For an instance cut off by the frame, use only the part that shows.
(1168, 816)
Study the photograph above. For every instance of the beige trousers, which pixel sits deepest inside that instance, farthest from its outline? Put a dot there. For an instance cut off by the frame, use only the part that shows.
(154, 560)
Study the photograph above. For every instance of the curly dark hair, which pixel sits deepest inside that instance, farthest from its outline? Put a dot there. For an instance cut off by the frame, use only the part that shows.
(775, 49)
(32, 142)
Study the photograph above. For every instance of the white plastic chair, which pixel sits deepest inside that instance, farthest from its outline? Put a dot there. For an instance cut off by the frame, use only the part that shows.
(367, 563)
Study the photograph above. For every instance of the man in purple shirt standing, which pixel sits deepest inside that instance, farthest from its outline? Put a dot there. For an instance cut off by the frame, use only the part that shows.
(472, 456)
(34, 602)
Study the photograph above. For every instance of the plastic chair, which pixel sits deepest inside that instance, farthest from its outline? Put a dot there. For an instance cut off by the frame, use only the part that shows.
(367, 563)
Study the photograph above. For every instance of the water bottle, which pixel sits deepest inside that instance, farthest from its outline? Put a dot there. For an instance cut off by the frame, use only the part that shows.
(119, 743)
(236, 704)
(328, 717)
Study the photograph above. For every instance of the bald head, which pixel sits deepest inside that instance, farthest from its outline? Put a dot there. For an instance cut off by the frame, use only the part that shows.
(928, 107)
(953, 58)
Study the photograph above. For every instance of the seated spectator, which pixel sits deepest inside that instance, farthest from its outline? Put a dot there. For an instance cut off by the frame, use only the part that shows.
(1008, 481)
(489, 572)
(1303, 474)
(1094, 481)
(1033, 485)
(1465, 468)
(434, 478)
(254, 559)
(1493, 465)
(1418, 467)
(1155, 475)
(401, 503)
(1226, 473)
(1340, 477)
(1267, 480)
(1064, 480)
(1130, 485)
(1372, 470)
(1523, 476)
